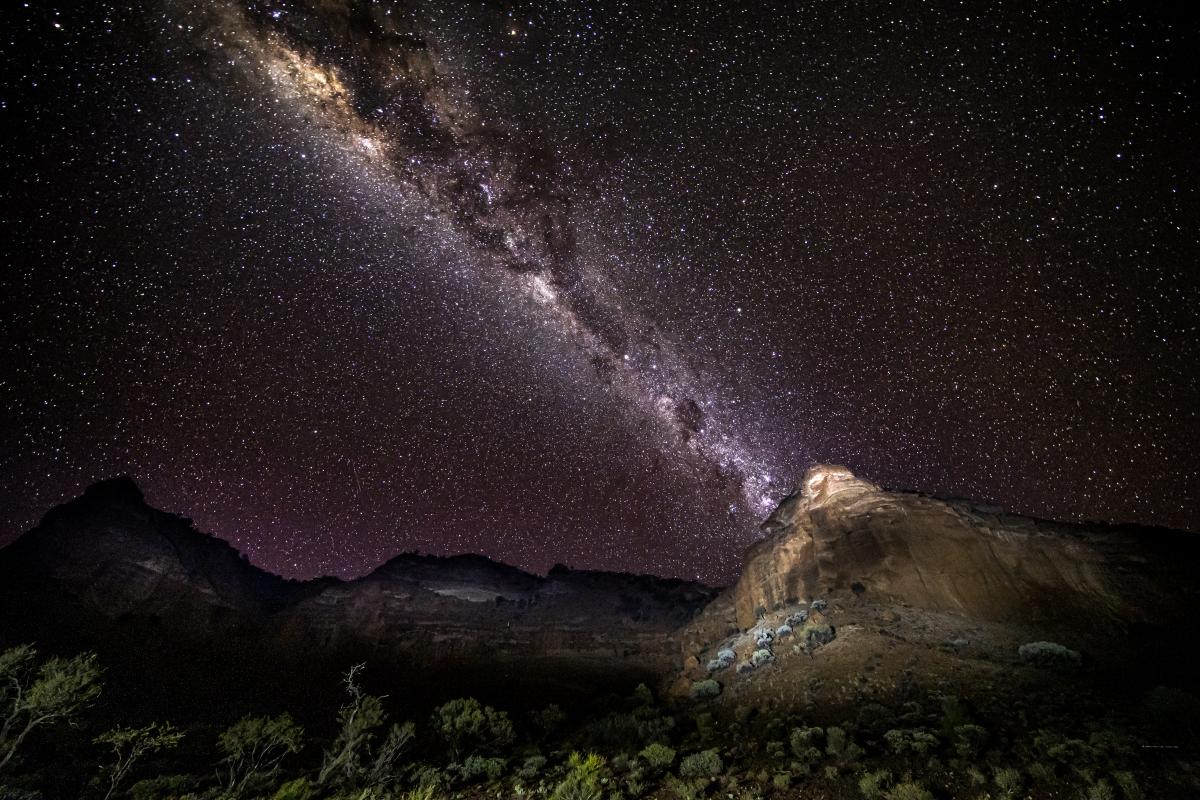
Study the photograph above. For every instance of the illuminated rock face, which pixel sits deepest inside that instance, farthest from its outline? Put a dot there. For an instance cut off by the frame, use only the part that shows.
(838, 531)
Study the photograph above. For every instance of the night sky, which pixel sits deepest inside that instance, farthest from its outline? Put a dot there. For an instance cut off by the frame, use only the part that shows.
(594, 283)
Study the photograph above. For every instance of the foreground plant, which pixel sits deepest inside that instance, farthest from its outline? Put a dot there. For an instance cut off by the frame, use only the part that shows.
(352, 761)
(582, 781)
(254, 747)
(30, 698)
(130, 744)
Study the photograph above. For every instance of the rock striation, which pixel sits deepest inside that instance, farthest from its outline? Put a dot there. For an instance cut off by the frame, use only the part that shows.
(837, 532)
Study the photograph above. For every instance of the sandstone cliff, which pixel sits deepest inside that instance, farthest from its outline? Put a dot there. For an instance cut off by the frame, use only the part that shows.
(839, 532)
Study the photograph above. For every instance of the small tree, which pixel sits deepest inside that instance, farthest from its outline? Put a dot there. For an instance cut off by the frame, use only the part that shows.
(57, 691)
(350, 761)
(254, 748)
(465, 724)
(130, 744)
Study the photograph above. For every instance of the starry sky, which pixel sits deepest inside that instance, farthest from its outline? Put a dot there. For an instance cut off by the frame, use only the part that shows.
(594, 283)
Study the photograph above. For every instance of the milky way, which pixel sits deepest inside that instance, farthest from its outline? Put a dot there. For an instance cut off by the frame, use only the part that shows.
(397, 109)
(594, 284)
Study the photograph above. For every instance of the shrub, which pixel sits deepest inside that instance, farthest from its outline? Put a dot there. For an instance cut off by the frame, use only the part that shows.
(781, 780)
(430, 776)
(421, 792)
(835, 742)
(873, 784)
(745, 667)
(969, 740)
(582, 781)
(1049, 655)
(658, 756)
(642, 696)
(801, 739)
(776, 750)
(57, 691)
(128, 745)
(532, 766)
(761, 657)
(467, 726)
(1129, 785)
(798, 618)
(783, 631)
(687, 790)
(160, 787)
(702, 690)
(550, 718)
(816, 634)
(874, 719)
(706, 763)
(1101, 790)
(299, 789)
(727, 655)
(1042, 773)
(476, 767)
(1008, 781)
(253, 749)
(909, 791)
(906, 741)
(818, 605)
(640, 726)
(352, 761)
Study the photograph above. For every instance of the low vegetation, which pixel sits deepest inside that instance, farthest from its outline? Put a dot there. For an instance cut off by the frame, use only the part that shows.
(924, 746)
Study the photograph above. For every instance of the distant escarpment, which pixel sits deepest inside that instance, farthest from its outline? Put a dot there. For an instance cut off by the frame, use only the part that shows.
(107, 571)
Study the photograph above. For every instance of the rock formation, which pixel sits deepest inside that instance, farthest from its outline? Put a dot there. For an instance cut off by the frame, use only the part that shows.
(838, 531)
(106, 571)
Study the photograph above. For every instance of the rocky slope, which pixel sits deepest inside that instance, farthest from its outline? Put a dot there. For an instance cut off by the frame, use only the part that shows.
(108, 572)
(910, 588)
(855, 588)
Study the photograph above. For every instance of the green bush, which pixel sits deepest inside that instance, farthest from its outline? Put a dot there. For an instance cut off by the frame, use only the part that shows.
(299, 789)
(583, 778)
(481, 767)
(253, 748)
(781, 780)
(549, 719)
(32, 697)
(687, 790)
(969, 740)
(1129, 785)
(835, 742)
(532, 766)
(873, 784)
(620, 729)
(1008, 781)
(706, 763)
(658, 756)
(467, 726)
(910, 741)
(128, 745)
(873, 719)
(702, 690)
(803, 739)
(160, 788)
(909, 791)
(353, 761)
